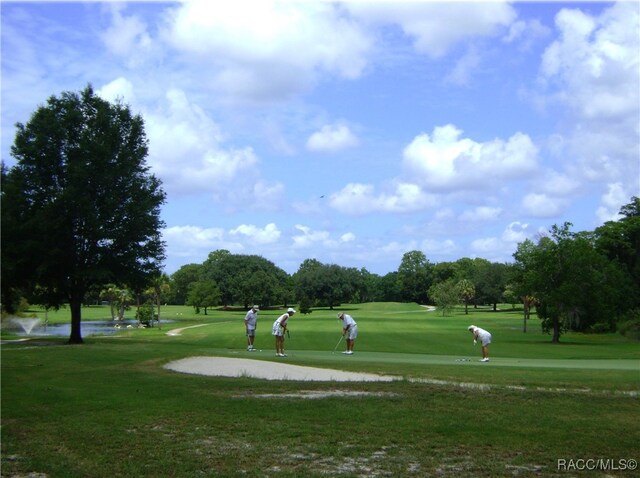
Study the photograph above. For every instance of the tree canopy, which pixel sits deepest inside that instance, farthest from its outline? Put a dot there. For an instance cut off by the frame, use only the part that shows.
(327, 285)
(415, 276)
(575, 286)
(246, 279)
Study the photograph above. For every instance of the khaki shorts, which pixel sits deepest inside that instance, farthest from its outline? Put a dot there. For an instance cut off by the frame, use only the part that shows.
(352, 333)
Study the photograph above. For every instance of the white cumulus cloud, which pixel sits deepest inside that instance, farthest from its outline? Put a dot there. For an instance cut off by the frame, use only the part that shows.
(358, 198)
(267, 49)
(118, 89)
(515, 233)
(187, 151)
(593, 70)
(446, 161)
(267, 235)
(194, 242)
(348, 237)
(612, 201)
(596, 61)
(542, 205)
(331, 138)
(436, 27)
(481, 213)
(309, 237)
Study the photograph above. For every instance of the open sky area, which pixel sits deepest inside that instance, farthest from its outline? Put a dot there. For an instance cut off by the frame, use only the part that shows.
(353, 132)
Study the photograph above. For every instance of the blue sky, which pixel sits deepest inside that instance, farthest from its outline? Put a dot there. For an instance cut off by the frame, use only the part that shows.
(353, 132)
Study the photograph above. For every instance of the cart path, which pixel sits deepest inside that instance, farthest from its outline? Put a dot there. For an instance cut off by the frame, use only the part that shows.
(175, 332)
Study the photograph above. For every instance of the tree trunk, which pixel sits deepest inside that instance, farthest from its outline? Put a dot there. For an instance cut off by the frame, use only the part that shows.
(556, 331)
(75, 303)
(158, 318)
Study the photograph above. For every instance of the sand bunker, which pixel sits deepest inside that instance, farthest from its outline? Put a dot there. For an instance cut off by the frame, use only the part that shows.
(233, 367)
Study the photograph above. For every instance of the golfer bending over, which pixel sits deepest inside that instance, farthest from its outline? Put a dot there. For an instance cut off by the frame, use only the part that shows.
(279, 328)
(250, 322)
(485, 339)
(349, 330)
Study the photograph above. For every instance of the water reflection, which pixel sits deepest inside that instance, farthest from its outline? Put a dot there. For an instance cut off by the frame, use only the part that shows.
(87, 328)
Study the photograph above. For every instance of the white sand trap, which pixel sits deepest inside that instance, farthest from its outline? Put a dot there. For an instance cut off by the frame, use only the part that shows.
(233, 367)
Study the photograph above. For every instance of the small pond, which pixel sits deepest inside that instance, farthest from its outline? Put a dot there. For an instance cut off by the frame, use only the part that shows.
(36, 328)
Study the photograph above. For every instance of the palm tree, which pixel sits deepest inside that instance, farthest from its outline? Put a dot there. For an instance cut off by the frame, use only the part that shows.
(159, 287)
(467, 292)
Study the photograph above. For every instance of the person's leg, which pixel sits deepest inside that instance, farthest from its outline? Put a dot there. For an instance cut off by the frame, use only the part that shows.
(353, 333)
(485, 352)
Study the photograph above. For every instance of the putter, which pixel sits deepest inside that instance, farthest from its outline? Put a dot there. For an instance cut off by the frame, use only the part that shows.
(336, 347)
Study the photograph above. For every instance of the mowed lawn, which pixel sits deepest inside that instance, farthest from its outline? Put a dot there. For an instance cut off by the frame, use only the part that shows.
(108, 407)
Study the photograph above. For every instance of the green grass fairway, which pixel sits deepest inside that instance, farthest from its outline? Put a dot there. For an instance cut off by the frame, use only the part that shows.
(108, 408)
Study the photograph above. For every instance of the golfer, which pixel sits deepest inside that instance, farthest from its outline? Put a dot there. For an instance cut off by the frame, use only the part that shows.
(485, 339)
(279, 328)
(349, 330)
(250, 323)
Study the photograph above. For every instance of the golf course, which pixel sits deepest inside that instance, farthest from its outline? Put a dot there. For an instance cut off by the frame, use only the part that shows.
(115, 407)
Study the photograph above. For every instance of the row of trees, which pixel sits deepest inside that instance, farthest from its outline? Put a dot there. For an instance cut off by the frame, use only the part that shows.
(81, 223)
(247, 279)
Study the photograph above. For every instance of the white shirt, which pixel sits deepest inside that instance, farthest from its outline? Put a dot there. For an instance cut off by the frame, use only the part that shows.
(348, 321)
(251, 318)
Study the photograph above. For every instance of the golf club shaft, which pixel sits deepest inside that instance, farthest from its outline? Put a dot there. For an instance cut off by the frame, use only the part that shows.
(336, 348)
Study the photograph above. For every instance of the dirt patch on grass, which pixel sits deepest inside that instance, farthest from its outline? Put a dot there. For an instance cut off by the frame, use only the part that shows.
(315, 394)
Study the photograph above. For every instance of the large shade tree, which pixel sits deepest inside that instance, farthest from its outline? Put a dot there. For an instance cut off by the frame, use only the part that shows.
(326, 285)
(490, 280)
(246, 279)
(574, 284)
(415, 276)
(80, 206)
(181, 280)
(620, 242)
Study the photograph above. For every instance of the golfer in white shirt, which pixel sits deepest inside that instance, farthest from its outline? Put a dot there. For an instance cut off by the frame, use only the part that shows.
(485, 339)
(250, 323)
(349, 330)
